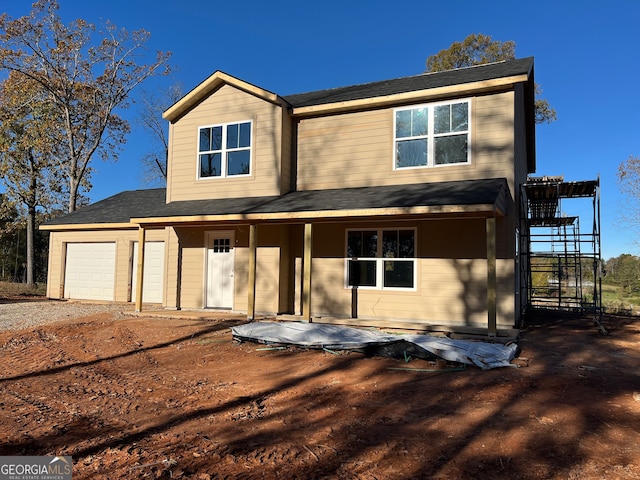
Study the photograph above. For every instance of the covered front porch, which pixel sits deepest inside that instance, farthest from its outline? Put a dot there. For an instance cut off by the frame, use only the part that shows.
(313, 258)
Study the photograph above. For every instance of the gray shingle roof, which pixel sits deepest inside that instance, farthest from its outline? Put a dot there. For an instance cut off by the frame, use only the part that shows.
(414, 83)
(116, 209)
(151, 203)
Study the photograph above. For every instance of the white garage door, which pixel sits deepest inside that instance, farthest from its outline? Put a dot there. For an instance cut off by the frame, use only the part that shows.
(90, 271)
(153, 279)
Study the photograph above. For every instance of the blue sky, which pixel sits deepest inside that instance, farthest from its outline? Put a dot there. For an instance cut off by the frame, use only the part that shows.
(587, 61)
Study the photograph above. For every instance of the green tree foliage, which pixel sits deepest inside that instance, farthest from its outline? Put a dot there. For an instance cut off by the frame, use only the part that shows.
(9, 225)
(13, 252)
(624, 271)
(87, 75)
(28, 154)
(478, 49)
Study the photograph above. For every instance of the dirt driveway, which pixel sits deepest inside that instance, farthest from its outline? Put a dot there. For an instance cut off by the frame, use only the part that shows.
(160, 398)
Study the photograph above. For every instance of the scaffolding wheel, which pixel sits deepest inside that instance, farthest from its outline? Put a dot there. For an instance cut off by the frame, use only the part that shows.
(603, 331)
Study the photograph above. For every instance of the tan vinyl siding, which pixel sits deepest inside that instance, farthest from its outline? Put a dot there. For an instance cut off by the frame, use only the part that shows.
(171, 268)
(344, 150)
(286, 156)
(356, 149)
(193, 267)
(493, 142)
(267, 279)
(521, 171)
(450, 292)
(268, 282)
(228, 104)
(520, 153)
(452, 276)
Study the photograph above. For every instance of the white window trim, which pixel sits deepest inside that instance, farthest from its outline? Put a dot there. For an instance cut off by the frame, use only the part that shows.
(224, 151)
(431, 136)
(380, 260)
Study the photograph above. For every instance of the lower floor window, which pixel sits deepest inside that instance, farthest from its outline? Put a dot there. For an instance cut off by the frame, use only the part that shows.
(381, 258)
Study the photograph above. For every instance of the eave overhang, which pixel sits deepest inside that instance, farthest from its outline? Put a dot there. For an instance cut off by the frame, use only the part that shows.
(87, 226)
(323, 216)
(429, 94)
(465, 198)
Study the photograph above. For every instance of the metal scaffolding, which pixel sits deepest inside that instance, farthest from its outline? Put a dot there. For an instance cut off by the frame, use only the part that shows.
(562, 264)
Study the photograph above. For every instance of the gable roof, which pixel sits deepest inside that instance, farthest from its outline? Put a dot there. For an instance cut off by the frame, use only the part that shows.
(146, 207)
(395, 91)
(210, 85)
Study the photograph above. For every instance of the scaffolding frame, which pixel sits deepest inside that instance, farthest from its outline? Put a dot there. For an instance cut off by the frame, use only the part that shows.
(563, 265)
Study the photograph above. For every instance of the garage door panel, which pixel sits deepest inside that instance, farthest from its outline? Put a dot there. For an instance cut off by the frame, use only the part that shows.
(153, 277)
(90, 271)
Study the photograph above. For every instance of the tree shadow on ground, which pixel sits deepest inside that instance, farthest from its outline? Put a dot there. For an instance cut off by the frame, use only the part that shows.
(312, 414)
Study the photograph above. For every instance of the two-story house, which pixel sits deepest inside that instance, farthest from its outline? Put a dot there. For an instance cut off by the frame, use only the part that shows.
(386, 203)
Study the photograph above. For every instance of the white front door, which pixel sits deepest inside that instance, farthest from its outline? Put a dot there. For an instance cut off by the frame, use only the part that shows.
(220, 264)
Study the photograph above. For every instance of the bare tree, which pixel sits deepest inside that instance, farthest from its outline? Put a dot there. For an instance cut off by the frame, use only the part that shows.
(154, 162)
(629, 182)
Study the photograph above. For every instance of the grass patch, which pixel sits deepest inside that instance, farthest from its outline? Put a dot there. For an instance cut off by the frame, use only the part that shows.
(614, 300)
(11, 289)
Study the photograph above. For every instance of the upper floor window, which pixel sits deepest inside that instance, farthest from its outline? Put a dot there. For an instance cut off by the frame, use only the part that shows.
(224, 150)
(432, 135)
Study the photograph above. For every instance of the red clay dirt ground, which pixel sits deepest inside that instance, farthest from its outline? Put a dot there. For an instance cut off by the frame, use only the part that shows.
(168, 398)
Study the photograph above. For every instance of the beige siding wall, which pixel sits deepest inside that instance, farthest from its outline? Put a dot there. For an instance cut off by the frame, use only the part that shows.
(452, 277)
(286, 184)
(451, 291)
(267, 279)
(270, 283)
(356, 149)
(521, 172)
(451, 270)
(192, 273)
(493, 139)
(124, 253)
(520, 137)
(171, 269)
(229, 104)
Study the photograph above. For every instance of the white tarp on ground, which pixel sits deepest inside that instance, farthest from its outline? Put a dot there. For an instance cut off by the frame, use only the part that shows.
(482, 354)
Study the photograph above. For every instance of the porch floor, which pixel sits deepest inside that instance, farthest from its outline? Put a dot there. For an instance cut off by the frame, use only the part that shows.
(505, 335)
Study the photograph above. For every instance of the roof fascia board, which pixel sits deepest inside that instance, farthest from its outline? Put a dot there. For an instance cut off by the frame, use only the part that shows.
(427, 94)
(213, 83)
(89, 226)
(487, 209)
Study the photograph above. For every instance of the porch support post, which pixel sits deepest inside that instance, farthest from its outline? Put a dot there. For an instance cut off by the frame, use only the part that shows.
(306, 275)
(140, 272)
(491, 276)
(63, 269)
(253, 249)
